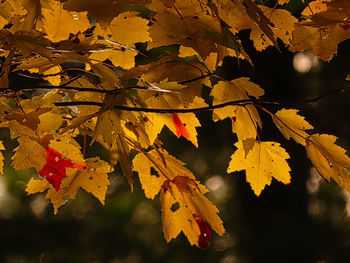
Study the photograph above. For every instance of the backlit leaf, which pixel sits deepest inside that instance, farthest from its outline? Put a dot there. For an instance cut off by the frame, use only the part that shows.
(28, 154)
(329, 159)
(261, 161)
(93, 179)
(58, 23)
(186, 209)
(292, 125)
(103, 11)
(157, 166)
(125, 30)
(54, 169)
(245, 119)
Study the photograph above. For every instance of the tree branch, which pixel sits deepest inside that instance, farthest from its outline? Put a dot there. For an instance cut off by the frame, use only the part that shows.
(65, 86)
(210, 107)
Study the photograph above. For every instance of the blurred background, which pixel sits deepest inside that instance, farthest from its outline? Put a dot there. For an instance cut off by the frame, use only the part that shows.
(305, 221)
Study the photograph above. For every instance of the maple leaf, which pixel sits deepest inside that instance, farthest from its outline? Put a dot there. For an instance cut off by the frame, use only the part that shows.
(262, 161)
(322, 42)
(122, 33)
(283, 25)
(180, 124)
(33, 15)
(103, 11)
(62, 152)
(323, 30)
(244, 119)
(292, 125)
(93, 179)
(329, 159)
(58, 23)
(55, 168)
(186, 209)
(186, 25)
(27, 42)
(327, 12)
(6, 11)
(28, 154)
(257, 15)
(157, 166)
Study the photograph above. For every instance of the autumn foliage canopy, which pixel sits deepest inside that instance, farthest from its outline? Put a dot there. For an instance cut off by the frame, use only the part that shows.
(123, 106)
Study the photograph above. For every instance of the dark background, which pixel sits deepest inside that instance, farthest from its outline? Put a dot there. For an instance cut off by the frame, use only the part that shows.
(305, 221)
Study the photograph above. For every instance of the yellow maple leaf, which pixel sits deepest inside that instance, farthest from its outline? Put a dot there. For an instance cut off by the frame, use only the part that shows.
(37, 186)
(157, 166)
(28, 154)
(262, 161)
(329, 159)
(49, 122)
(186, 26)
(244, 119)
(32, 16)
(57, 198)
(322, 42)
(325, 28)
(6, 11)
(58, 23)
(180, 124)
(283, 22)
(292, 125)
(122, 33)
(93, 179)
(68, 147)
(182, 203)
(103, 11)
(1, 158)
(17, 130)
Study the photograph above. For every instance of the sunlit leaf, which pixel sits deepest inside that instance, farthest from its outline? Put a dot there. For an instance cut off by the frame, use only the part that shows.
(261, 161)
(185, 209)
(245, 119)
(292, 125)
(329, 159)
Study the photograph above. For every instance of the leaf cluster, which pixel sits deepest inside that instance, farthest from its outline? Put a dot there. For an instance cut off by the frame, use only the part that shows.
(86, 50)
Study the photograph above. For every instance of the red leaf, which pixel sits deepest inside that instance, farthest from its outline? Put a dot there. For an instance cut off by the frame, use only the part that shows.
(205, 235)
(180, 128)
(55, 168)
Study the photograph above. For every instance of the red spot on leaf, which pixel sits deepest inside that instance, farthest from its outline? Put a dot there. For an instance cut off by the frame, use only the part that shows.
(55, 168)
(345, 25)
(205, 235)
(180, 128)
